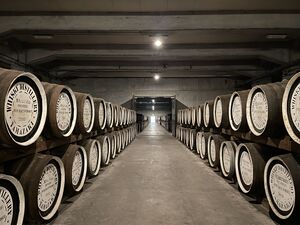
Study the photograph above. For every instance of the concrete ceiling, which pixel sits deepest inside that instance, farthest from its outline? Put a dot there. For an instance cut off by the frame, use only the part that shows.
(114, 38)
(146, 5)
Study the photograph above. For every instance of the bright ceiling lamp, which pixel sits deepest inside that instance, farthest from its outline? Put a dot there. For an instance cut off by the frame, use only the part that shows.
(156, 77)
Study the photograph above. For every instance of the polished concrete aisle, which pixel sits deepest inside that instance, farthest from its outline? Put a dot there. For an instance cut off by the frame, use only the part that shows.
(157, 181)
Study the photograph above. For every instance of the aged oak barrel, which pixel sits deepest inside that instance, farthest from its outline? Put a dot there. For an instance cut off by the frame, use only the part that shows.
(123, 139)
(85, 113)
(75, 163)
(208, 114)
(192, 139)
(204, 145)
(23, 107)
(12, 201)
(109, 115)
(213, 151)
(115, 115)
(62, 109)
(100, 114)
(198, 142)
(105, 149)
(193, 116)
(43, 180)
(237, 111)
(220, 111)
(263, 110)
(250, 161)
(199, 115)
(227, 159)
(282, 186)
(291, 107)
(93, 153)
(113, 144)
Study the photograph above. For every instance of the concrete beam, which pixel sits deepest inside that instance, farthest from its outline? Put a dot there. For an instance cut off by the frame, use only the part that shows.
(151, 23)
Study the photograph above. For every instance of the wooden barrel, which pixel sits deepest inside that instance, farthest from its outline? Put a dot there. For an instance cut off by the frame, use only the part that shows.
(220, 111)
(291, 108)
(105, 149)
(85, 113)
(12, 201)
(213, 153)
(250, 162)
(120, 113)
(118, 142)
(115, 115)
(128, 116)
(126, 137)
(109, 115)
(124, 116)
(204, 145)
(282, 186)
(62, 110)
(187, 137)
(192, 139)
(100, 114)
(193, 116)
(75, 163)
(123, 134)
(227, 157)
(199, 115)
(263, 110)
(237, 111)
(208, 114)
(113, 144)
(198, 142)
(23, 108)
(43, 180)
(182, 134)
(93, 152)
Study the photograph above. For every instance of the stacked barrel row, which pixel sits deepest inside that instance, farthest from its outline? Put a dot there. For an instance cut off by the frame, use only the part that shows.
(32, 187)
(270, 110)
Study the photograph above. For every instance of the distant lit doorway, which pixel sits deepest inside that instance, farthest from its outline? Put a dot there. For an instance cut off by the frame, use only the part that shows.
(152, 119)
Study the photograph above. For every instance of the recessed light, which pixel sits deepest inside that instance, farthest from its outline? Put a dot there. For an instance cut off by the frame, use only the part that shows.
(158, 43)
(153, 108)
(276, 36)
(153, 100)
(156, 77)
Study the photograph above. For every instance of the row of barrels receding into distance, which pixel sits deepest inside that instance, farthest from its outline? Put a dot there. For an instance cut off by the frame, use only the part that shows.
(260, 171)
(271, 109)
(32, 187)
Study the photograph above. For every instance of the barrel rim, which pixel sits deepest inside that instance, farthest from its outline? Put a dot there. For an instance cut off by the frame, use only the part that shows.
(84, 172)
(234, 126)
(214, 111)
(285, 111)
(252, 128)
(224, 172)
(267, 191)
(21, 196)
(96, 142)
(44, 108)
(238, 176)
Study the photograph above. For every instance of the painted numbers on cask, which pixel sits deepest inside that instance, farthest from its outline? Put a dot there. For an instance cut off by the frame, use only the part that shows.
(6, 206)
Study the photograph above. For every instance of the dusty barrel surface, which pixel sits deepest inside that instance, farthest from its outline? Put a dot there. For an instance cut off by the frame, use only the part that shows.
(85, 113)
(291, 108)
(62, 109)
(199, 115)
(214, 143)
(250, 162)
(105, 149)
(75, 163)
(192, 139)
(43, 180)
(23, 108)
(100, 114)
(208, 114)
(220, 111)
(93, 153)
(193, 116)
(115, 115)
(237, 111)
(282, 186)
(227, 159)
(204, 145)
(264, 113)
(113, 144)
(12, 201)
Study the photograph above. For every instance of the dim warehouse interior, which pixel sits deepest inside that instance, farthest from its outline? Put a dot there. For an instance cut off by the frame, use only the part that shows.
(136, 112)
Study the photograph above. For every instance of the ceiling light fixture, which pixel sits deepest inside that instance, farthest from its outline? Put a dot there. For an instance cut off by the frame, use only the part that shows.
(42, 36)
(157, 43)
(153, 107)
(276, 36)
(153, 100)
(156, 77)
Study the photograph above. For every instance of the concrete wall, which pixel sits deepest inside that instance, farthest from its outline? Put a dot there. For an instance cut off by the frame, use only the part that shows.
(189, 91)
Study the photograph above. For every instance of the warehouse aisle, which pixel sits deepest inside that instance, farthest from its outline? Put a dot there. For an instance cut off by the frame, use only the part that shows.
(157, 181)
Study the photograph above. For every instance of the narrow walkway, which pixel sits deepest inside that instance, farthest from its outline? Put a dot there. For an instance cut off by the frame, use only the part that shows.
(156, 181)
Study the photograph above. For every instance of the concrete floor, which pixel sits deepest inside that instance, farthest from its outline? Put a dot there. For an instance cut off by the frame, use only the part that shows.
(156, 180)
